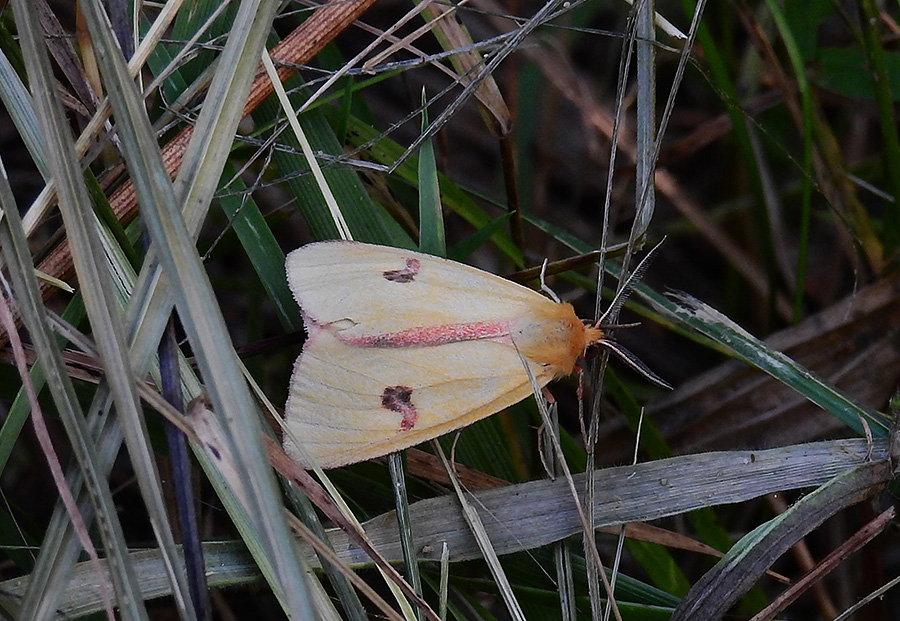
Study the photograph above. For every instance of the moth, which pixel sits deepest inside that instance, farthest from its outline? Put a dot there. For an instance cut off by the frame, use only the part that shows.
(403, 347)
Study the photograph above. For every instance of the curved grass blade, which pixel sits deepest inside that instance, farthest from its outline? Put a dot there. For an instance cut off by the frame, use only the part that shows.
(710, 322)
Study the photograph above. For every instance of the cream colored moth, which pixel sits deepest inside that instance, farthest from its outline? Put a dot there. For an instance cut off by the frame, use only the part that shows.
(403, 347)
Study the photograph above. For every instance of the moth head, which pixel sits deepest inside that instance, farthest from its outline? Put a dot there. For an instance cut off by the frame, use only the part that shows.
(553, 336)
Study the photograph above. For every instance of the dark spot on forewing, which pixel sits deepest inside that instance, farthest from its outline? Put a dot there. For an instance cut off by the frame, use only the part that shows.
(407, 274)
(399, 399)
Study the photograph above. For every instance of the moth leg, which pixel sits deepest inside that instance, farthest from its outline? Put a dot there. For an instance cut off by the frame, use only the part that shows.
(579, 393)
(548, 396)
(550, 293)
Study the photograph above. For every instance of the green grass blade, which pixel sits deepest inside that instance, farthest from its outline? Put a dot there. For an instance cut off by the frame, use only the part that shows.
(194, 297)
(890, 135)
(431, 216)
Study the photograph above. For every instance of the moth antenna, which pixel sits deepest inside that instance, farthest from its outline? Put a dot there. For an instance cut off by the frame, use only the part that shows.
(544, 286)
(616, 326)
(634, 362)
(633, 278)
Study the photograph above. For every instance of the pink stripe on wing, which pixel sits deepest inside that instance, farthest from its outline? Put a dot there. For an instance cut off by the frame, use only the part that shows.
(431, 335)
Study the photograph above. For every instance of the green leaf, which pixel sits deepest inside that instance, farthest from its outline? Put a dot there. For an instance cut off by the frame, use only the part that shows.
(846, 72)
(431, 216)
